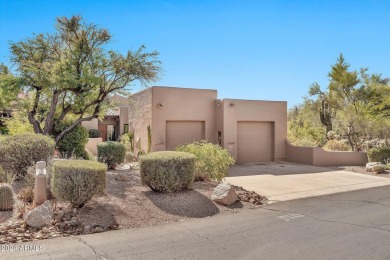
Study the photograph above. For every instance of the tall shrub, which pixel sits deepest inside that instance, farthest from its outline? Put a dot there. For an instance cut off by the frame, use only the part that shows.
(111, 153)
(168, 171)
(73, 143)
(212, 161)
(18, 152)
(77, 181)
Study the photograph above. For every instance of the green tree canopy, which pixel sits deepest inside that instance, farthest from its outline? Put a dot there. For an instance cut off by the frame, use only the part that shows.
(70, 73)
(9, 87)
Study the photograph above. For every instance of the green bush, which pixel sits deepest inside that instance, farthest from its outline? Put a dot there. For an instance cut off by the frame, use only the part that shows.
(212, 161)
(379, 155)
(111, 153)
(336, 145)
(6, 177)
(18, 152)
(77, 181)
(167, 171)
(130, 157)
(73, 143)
(94, 133)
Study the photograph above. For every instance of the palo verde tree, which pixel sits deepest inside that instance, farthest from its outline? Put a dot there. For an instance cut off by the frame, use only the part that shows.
(69, 74)
(341, 97)
(9, 87)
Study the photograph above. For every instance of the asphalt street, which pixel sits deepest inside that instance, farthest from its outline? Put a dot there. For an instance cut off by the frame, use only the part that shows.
(351, 225)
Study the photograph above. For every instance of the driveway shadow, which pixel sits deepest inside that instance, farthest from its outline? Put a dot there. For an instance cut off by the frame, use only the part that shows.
(191, 204)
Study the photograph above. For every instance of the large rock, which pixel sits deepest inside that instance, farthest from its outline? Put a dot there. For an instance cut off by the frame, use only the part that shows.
(370, 166)
(39, 216)
(224, 194)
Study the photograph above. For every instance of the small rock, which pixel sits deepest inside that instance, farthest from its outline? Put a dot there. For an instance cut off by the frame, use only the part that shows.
(39, 216)
(370, 166)
(74, 210)
(224, 194)
(380, 168)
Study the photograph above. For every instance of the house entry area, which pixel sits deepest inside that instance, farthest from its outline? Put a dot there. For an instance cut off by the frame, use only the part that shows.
(183, 132)
(255, 142)
(108, 132)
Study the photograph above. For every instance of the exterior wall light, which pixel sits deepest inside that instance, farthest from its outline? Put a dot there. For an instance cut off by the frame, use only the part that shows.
(232, 104)
(159, 105)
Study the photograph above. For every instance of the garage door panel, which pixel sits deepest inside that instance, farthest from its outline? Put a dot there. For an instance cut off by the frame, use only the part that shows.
(183, 132)
(254, 142)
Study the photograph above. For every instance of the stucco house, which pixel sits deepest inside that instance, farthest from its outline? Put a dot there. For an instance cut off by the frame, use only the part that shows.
(252, 130)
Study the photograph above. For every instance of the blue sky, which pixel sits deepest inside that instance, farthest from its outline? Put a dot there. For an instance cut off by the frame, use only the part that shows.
(249, 49)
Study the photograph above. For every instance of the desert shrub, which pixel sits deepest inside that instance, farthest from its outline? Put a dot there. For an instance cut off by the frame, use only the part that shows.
(77, 181)
(18, 152)
(130, 157)
(73, 143)
(111, 153)
(94, 133)
(6, 177)
(379, 154)
(168, 171)
(89, 156)
(212, 161)
(336, 145)
(26, 194)
(18, 124)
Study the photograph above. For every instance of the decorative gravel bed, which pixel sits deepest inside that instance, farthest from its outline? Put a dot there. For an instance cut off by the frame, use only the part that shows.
(362, 170)
(127, 204)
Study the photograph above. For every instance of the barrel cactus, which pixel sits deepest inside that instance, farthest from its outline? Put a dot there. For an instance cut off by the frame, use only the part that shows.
(6, 197)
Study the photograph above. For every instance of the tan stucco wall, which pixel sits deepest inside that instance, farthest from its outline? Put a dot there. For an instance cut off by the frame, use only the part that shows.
(319, 157)
(255, 111)
(299, 154)
(93, 124)
(181, 104)
(123, 118)
(140, 116)
(92, 145)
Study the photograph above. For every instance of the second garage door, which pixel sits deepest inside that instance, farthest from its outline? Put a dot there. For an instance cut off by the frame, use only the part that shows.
(254, 142)
(184, 132)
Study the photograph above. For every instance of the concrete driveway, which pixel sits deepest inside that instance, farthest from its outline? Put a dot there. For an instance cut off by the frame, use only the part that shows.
(284, 181)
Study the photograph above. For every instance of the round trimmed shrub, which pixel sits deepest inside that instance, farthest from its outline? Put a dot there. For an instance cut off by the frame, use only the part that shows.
(73, 143)
(212, 161)
(168, 171)
(379, 155)
(111, 153)
(94, 133)
(18, 152)
(77, 181)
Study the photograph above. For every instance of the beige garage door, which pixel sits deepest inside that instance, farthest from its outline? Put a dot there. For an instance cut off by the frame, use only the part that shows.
(184, 132)
(254, 142)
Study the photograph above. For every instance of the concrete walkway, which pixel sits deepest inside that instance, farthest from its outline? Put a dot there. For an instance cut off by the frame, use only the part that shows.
(286, 181)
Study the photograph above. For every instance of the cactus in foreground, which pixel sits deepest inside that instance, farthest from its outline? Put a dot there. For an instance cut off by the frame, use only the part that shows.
(6, 197)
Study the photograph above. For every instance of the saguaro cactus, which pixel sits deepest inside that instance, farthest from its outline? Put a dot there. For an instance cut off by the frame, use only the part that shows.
(6, 197)
(326, 116)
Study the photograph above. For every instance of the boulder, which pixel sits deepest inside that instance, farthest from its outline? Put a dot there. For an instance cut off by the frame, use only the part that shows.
(370, 166)
(39, 216)
(379, 168)
(224, 194)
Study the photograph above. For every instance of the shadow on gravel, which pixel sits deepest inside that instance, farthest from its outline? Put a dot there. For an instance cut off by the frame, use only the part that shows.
(191, 204)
